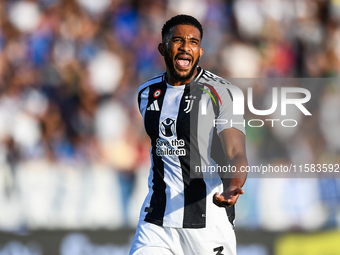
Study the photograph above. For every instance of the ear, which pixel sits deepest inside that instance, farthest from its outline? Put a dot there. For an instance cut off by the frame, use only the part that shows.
(201, 52)
(161, 48)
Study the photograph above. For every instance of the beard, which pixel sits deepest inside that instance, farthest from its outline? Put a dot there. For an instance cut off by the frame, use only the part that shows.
(173, 71)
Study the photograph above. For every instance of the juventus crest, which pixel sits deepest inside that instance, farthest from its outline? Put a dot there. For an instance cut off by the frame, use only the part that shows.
(190, 101)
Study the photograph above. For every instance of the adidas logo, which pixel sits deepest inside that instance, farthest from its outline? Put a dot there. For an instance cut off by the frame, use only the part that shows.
(153, 107)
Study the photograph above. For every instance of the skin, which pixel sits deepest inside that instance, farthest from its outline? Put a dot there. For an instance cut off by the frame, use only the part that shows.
(233, 142)
(183, 42)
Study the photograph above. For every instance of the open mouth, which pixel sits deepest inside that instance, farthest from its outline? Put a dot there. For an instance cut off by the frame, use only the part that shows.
(183, 61)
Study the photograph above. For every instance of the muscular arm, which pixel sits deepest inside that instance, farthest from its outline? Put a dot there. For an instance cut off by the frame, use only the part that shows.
(233, 142)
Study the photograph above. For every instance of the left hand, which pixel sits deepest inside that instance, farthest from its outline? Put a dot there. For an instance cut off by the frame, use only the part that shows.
(228, 197)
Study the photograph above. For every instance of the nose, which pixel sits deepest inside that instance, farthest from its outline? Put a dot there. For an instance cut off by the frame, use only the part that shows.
(185, 45)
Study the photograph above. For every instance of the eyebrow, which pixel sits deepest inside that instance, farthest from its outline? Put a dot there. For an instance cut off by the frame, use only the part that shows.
(181, 37)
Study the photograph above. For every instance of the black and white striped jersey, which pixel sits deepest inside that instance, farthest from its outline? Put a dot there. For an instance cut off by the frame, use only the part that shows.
(180, 123)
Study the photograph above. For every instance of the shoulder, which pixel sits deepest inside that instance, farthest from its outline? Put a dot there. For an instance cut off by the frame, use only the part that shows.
(155, 80)
(213, 79)
(219, 84)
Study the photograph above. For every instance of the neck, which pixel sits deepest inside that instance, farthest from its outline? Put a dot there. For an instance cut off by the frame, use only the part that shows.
(172, 81)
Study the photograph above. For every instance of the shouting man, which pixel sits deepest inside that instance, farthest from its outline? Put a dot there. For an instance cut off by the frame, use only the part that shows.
(197, 150)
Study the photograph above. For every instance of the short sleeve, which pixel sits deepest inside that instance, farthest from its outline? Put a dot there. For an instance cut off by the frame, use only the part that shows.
(226, 119)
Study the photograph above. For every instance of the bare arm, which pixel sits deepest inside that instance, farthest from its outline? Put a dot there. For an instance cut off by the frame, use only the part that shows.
(233, 142)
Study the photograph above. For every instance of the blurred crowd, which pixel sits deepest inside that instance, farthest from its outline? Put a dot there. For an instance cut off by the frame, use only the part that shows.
(70, 71)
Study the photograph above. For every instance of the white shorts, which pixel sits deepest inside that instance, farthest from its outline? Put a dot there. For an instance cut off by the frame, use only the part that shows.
(151, 239)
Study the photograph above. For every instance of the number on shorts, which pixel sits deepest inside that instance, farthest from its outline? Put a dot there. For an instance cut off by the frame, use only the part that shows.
(219, 250)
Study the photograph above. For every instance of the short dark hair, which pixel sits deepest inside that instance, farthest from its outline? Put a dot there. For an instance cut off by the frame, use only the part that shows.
(181, 20)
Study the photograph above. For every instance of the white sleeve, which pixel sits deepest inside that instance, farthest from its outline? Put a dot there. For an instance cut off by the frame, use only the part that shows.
(226, 119)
